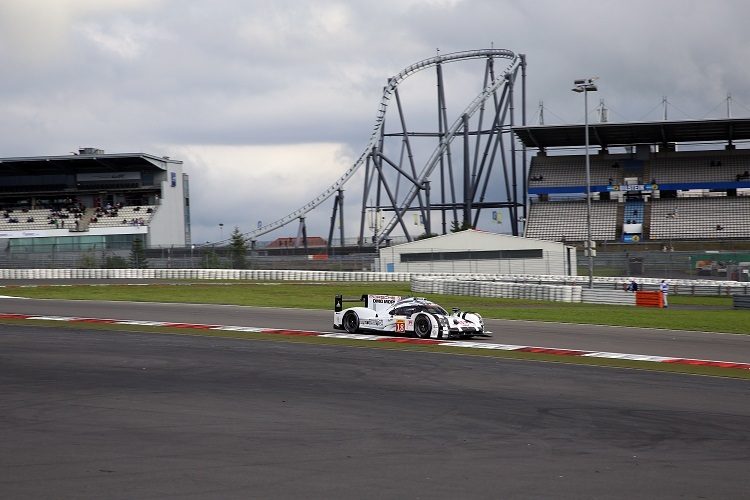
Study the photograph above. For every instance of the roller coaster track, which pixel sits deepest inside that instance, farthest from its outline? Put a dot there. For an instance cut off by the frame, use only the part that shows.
(388, 92)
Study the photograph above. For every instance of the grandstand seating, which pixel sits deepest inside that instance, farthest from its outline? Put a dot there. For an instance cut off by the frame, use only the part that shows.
(702, 167)
(702, 213)
(43, 220)
(566, 221)
(562, 171)
(689, 218)
(133, 216)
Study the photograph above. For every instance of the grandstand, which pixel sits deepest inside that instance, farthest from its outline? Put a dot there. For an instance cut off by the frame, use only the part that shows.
(92, 200)
(650, 181)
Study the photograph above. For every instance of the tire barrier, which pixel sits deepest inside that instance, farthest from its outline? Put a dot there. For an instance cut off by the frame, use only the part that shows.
(497, 289)
(611, 297)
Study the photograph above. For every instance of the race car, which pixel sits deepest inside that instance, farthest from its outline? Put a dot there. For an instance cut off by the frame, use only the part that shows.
(408, 315)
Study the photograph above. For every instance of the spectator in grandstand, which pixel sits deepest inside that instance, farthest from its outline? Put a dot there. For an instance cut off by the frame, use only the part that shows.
(719, 227)
(664, 289)
(611, 181)
(742, 176)
(30, 219)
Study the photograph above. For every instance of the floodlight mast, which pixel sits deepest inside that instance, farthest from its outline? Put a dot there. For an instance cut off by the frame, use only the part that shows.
(585, 86)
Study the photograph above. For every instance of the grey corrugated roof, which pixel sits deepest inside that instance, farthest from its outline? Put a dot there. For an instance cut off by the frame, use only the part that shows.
(80, 163)
(623, 134)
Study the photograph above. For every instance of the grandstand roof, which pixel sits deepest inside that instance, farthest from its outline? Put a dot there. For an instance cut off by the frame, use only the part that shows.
(624, 134)
(82, 162)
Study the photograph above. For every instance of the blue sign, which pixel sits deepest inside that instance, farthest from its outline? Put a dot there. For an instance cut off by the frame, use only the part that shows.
(633, 187)
(173, 177)
(631, 238)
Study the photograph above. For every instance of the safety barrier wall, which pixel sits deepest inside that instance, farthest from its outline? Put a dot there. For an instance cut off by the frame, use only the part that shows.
(649, 299)
(499, 289)
(741, 301)
(614, 297)
(492, 282)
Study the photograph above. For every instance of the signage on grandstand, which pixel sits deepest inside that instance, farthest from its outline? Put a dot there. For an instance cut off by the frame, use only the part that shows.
(109, 176)
(631, 238)
(633, 187)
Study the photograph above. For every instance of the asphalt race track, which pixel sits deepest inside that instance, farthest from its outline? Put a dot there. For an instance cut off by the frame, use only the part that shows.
(95, 414)
(696, 345)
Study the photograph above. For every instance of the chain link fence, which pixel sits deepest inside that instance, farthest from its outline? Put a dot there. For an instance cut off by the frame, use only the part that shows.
(713, 264)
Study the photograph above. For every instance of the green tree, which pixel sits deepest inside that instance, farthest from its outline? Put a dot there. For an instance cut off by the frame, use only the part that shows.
(424, 236)
(210, 259)
(138, 258)
(238, 248)
(88, 260)
(462, 226)
(115, 262)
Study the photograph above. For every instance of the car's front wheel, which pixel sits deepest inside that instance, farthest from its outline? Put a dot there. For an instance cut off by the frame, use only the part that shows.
(351, 322)
(422, 326)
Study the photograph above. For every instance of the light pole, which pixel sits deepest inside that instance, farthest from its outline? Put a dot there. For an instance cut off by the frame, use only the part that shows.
(221, 231)
(587, 85)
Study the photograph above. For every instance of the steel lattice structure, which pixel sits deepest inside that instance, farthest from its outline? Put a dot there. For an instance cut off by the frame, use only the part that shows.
(390, 159)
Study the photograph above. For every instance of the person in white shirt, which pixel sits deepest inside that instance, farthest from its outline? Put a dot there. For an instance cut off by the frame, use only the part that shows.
(664, 289)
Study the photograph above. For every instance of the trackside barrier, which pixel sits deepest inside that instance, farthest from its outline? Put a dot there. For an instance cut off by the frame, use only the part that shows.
(498, 289)
(501, 284)
(613, 297)
(741, 301)
(649, 299)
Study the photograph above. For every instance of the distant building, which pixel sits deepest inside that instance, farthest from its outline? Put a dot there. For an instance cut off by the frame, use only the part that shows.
(473, 251)
(312, 241)
(93, 200)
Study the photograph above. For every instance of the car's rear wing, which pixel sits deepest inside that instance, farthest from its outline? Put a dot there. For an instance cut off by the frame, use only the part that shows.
(374, 302)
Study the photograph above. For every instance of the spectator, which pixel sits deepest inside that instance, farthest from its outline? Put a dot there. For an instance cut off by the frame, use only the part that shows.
(633, 286)
(664, 289)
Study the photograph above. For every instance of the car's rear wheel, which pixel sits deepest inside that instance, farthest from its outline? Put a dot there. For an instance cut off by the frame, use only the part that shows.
(422, 326)
(351, 322)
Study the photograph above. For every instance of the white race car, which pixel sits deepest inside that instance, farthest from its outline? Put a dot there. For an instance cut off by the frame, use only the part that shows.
(392, 313)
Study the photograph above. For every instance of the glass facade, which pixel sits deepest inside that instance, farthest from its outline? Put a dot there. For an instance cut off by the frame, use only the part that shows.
(73, 243)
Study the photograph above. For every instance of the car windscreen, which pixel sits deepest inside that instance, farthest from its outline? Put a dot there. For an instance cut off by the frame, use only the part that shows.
(433, 309)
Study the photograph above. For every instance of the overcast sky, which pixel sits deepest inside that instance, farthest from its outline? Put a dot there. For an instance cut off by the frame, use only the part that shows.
(269, 102)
